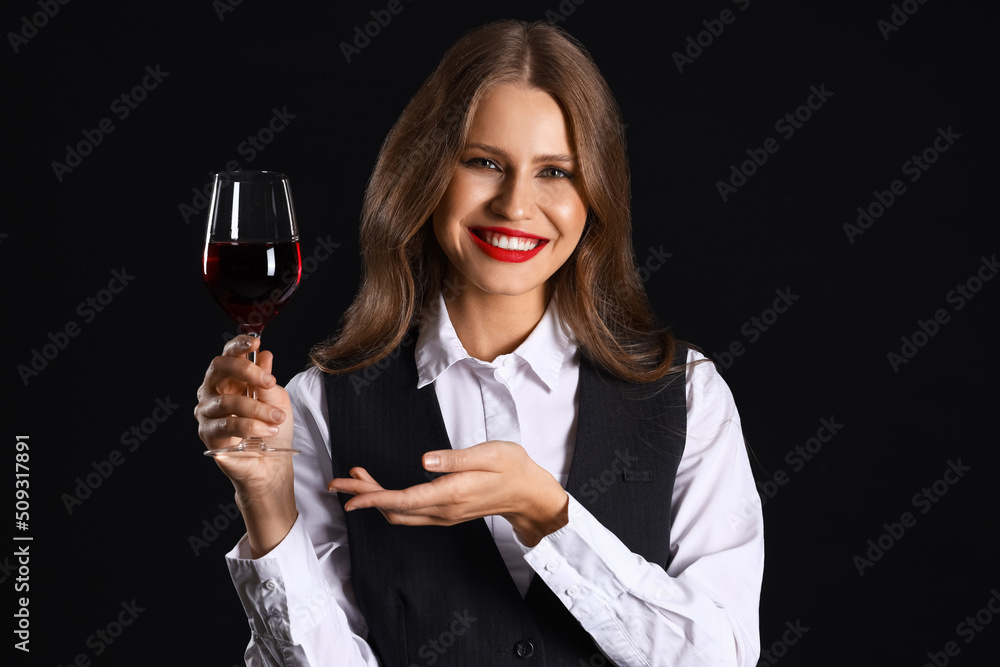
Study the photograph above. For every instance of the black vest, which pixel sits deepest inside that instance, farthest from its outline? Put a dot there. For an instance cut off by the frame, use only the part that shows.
(443, 595)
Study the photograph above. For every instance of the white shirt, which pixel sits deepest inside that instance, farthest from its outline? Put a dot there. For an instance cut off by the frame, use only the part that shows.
(528, 396)
(703, 610)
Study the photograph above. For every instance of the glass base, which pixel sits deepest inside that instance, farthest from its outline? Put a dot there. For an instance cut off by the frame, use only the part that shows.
(251, 448)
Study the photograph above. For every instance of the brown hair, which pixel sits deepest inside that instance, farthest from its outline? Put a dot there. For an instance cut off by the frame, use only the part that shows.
(601, 298)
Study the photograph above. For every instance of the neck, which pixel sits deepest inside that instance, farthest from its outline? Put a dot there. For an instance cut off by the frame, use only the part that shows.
(489, 325)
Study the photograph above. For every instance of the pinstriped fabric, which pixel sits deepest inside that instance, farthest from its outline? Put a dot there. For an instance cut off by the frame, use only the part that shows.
(423, 587)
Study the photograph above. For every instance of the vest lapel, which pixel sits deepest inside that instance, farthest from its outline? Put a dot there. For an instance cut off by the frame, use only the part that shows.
(410, 582)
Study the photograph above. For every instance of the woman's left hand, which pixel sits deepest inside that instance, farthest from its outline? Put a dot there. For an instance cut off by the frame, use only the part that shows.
(491, 478)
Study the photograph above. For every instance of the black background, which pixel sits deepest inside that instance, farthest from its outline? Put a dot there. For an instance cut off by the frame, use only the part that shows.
(825, 358)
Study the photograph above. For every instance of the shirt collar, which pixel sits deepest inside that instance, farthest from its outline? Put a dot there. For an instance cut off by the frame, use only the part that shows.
(438, 347)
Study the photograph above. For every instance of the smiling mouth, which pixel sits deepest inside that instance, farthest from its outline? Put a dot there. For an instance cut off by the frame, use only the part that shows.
(516, 243)
(507, 245)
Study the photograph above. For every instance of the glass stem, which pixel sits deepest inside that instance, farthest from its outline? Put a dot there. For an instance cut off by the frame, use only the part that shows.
(252, 356)
(252, 393)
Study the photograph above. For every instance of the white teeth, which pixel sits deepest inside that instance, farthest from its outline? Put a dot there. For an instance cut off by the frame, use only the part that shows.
(510, 242)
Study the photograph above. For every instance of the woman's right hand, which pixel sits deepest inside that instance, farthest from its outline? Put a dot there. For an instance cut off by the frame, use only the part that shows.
(264, 485)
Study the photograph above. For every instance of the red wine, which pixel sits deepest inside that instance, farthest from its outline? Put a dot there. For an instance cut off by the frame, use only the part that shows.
(252, 281)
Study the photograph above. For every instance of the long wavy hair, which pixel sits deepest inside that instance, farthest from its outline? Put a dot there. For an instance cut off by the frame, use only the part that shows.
(600, 294)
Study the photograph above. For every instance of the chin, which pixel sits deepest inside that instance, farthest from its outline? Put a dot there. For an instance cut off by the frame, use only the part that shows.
(514, 290)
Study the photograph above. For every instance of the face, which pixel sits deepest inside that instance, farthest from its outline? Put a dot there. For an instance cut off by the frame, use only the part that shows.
(514, 210)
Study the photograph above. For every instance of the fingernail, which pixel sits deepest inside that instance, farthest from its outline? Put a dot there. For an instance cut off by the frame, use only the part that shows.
(272, 430)
(266, 378)
(432, 461)
(277, 415)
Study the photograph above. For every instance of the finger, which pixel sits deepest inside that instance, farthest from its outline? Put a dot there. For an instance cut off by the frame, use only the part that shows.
(352, 486)
(487, 457)
(405, 501)
(241, 346)
(399, 519)
(362, 474)
(215, 432)
(271, 392)
(359, 482)
(238, 405)
(399, 507)
(265, 361)
(228, 375)
(224, 417)
(429, 498)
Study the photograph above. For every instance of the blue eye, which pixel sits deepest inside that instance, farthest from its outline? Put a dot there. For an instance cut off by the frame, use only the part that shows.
(556, 172)
(482, 162)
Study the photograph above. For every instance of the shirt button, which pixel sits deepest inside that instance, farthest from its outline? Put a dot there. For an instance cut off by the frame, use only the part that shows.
(270, 585)
(552, 566)
(572, 591)
(524, 649)
(508, 362)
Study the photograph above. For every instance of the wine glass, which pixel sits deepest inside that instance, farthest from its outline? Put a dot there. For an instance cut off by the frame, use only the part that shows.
(251, 263)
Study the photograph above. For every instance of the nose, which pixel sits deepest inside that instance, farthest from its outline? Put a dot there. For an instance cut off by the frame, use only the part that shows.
(515, 199)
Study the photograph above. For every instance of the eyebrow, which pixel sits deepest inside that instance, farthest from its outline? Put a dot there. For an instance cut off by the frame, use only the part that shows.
(548, 157)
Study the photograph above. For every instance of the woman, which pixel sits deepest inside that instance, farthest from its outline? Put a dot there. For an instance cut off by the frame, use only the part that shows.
(557, 479)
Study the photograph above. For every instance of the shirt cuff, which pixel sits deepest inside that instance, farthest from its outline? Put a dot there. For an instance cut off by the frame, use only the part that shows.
(284, 592)
(587, 566)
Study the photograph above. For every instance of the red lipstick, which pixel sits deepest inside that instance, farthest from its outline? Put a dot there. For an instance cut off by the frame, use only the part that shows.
(502, 255)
